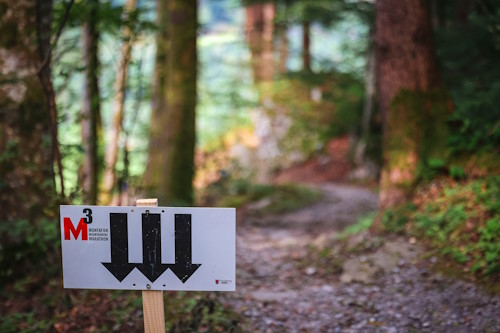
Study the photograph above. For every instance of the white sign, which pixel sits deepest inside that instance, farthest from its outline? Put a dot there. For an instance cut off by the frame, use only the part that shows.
(156, 248)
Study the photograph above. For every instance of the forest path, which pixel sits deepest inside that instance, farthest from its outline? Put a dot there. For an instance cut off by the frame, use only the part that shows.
(281, 286)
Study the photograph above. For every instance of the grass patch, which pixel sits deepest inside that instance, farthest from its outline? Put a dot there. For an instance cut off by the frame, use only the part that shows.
(198, 312)
(461, 220)
(290, 197)
(364, 223)
(278, 199)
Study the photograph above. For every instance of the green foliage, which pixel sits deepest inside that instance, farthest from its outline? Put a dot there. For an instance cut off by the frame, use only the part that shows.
(28, 248)
(431, 168)
(290, 197)
(457, 172)
(314, 122)
(282, 198)
(110, 17)
(364, 223)
(278, 198)
(396, 219)
(461, 221)
(489, 244)
(23, 323)
(325, 12)
(469, 55)
(197, 313)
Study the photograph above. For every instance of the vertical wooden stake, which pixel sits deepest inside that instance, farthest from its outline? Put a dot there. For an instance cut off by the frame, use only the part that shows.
(152, 300)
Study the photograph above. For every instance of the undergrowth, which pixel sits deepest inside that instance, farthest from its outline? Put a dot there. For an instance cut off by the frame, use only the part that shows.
(459, 219)
(199, 312)
(27, 247)
(53, 309)
(363, 223)
(279, 198)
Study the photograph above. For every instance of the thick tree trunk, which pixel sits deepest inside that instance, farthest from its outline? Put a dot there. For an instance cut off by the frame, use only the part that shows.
(90, 108)
(154, 179)
(306, 46)
(27, 180)
(170, 170)
(410, 93)
(111, 157)
(259, 31)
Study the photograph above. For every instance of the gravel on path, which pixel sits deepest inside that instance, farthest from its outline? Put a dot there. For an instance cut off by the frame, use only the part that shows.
(275, 294)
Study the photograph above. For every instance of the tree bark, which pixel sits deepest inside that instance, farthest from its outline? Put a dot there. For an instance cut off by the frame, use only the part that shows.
(111, 157)
(27, 180)
(259, 31)
(306, 46)
(412, 101)
(90, 108)
(368, 108)
(284, 50)
(154, 178)
(170, 170)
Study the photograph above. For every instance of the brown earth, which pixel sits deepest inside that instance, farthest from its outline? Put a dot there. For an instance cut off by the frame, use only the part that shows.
(331, 166)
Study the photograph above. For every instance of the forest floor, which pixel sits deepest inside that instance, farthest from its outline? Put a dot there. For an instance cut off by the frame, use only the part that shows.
(295, 275)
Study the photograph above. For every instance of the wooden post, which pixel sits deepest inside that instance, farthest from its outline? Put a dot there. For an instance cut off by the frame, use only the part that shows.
(152, 300)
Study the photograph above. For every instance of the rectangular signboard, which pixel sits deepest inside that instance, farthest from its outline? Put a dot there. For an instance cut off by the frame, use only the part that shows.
(155, 248)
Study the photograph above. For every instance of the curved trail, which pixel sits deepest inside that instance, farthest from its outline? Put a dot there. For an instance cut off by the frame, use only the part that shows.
(277, 293)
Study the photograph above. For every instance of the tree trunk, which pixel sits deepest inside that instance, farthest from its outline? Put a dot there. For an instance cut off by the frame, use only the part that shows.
(259, 30)
(412, 101)
(154, 179)
(284, 51)
(91, 107)
(306, 46)
(109, 177)
(27, 180)
(170, 170)
(368, 108)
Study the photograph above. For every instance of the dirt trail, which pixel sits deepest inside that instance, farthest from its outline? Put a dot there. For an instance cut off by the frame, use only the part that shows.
(276, 292)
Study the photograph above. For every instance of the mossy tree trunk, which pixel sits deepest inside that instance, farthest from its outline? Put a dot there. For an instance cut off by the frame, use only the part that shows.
(27, 187)
(91, 107)
(412, 100)
(170, 170)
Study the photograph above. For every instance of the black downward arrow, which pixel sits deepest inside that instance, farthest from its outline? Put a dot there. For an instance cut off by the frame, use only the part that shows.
(183, 266)
(151, 265)
(119, 265)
